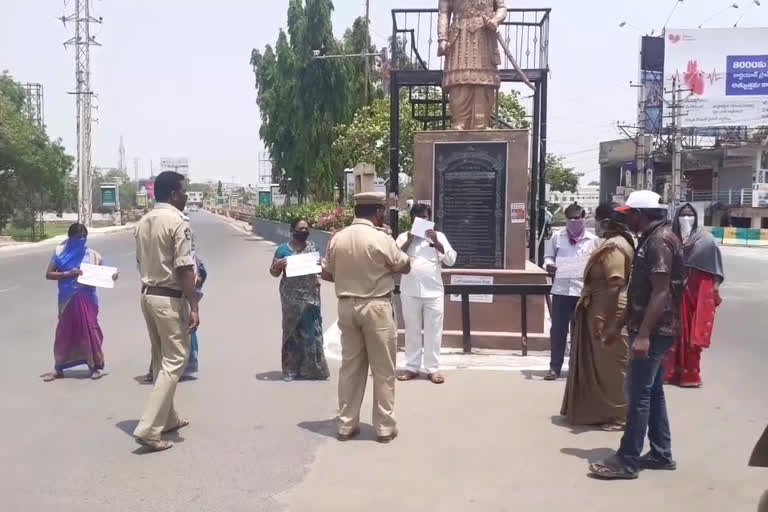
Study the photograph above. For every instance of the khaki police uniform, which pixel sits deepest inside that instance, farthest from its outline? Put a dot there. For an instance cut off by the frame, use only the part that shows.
(363, 260)
(163, 245)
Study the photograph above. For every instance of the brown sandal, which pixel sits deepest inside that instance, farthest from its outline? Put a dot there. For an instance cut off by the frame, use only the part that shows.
(157, 445)
(407, 375)
(181, 425)
(50, 377)
(436, 378)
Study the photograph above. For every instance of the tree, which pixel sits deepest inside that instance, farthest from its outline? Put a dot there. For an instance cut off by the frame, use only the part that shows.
(511, 111)
(33, 169)
(366, 138)
(219, 189)
(302, 99)
(594, 183)
(560, 177)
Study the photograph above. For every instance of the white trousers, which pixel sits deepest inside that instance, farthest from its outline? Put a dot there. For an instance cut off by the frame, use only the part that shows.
(426, 312)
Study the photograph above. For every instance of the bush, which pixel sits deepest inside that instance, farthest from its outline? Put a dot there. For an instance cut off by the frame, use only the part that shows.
(322, 216)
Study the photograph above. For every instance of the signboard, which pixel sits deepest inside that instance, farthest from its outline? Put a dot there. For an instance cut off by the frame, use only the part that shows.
(760, 196)
(278, 198)
(724, 72)
(470, 187)
(109, 197)
(141, 200)
(180, 165)
(265, 198)
(483, 299)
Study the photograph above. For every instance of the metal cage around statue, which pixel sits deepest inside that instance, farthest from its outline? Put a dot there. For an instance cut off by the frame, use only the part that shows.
(414, 66)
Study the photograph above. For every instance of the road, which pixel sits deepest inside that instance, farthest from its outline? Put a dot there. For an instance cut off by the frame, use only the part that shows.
(486, 440)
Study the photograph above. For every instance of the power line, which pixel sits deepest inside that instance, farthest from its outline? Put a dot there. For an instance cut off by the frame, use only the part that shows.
(82, 42)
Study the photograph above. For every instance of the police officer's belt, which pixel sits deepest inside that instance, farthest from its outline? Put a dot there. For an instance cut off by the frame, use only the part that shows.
(160, 291)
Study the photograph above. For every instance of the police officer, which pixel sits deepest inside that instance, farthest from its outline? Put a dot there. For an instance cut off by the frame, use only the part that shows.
(362, 260)
(168, 301)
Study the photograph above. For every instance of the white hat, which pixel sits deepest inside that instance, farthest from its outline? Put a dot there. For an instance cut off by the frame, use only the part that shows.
(642, 200)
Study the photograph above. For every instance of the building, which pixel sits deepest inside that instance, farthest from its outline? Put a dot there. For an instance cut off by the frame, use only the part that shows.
(587, 197)
(180, 165)
(723, 183)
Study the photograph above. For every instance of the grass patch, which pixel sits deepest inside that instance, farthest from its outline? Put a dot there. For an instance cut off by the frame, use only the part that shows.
(52, 229)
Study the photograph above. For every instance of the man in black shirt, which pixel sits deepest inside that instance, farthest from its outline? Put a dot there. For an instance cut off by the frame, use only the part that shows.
(653, 322)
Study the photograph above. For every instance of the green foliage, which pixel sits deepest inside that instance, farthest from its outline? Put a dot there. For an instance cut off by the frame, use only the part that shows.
(33, 169)
(511, 111)
(302, 99)
(560, 177)
(366, 138)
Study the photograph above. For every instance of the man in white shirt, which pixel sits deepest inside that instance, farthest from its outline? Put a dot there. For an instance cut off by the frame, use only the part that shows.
(422, 295)
(566, 257)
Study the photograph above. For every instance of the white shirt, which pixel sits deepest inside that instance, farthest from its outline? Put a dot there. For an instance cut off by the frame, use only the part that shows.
(425, 279)
(560, 248)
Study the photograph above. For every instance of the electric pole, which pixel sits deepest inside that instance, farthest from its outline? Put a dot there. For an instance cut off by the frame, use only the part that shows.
(677, 147)
(82, 42)
(367, 47)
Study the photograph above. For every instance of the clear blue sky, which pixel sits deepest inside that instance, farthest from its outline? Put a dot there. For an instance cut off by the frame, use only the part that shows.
(173, 76)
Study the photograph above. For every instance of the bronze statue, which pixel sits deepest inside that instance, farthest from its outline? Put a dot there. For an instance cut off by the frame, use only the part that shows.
(467, 32)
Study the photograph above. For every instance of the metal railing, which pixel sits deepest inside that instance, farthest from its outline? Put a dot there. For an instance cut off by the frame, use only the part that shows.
(525, 31)
(730, 197)
(521, 290)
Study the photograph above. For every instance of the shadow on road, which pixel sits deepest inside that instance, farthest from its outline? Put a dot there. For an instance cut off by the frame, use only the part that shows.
(328, 428)
(127, 426)
(270, 376)
(594, 455)
(539, 374)
(560, 421)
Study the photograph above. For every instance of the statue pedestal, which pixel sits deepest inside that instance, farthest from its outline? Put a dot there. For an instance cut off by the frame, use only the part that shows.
(477, 185)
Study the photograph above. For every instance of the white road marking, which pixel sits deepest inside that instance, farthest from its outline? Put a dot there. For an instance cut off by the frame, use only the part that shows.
(452, 360)
(12, 288)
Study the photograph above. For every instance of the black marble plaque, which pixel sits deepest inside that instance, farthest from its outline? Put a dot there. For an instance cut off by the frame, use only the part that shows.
(470, 197)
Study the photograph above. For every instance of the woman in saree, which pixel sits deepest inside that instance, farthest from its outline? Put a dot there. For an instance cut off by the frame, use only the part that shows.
(78, 334)
(303, 355)
(701, 297)
(594, 393)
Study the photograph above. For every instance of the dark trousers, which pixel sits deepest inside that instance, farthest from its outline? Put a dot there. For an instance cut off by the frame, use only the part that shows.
(563, 307)
(647, 407)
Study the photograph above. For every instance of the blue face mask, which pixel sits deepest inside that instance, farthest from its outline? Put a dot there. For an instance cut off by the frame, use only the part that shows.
(76, 244)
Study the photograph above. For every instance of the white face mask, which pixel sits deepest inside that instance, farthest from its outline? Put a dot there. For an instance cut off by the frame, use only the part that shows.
(686, 225)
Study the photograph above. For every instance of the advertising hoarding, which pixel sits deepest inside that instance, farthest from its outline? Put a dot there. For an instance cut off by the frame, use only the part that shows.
(724, 74)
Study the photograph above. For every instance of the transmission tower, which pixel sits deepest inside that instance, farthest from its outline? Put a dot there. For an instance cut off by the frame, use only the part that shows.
(82, 42)
(121, 163)
(33, 104)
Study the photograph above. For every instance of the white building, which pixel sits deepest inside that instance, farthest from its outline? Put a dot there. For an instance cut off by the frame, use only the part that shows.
(588, 197)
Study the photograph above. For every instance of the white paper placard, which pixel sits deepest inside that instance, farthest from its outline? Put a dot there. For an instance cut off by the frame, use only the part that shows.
(97, 275)
(517, 213)
(570, 268)
(484, 299)
(421, 226)
(303, 264)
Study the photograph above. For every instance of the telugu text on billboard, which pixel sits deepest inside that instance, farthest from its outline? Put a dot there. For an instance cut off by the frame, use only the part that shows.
(722, 74)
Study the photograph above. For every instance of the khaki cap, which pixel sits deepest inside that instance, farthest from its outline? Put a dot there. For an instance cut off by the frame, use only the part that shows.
(373, 198)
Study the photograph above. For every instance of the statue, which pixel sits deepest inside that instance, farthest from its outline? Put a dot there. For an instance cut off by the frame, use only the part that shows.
(469, 41)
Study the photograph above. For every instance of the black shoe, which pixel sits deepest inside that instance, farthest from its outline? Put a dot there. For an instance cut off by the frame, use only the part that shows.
(648, 461)
(387, 439)
(346, 437)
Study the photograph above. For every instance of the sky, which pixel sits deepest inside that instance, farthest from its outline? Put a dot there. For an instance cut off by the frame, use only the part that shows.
(173, 76)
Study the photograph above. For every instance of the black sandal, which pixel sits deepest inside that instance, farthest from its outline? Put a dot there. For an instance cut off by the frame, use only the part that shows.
(611, 469)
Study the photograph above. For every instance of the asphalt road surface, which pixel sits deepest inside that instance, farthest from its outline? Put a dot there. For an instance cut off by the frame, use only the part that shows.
(485, 441)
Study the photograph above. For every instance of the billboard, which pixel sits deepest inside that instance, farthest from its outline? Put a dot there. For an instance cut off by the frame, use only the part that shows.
(650, 118)
(180, 165)
(724, 72)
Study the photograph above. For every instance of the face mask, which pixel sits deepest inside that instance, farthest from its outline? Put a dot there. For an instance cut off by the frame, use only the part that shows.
(686, 225)
(301, 236)
(575, 228)
(76, 243)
